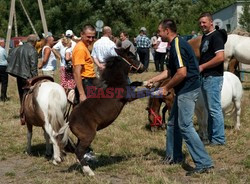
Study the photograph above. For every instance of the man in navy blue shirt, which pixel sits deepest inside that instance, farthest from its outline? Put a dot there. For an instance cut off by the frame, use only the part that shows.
(211, 68)
(184, 72)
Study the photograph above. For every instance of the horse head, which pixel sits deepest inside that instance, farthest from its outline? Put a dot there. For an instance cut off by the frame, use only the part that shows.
(130, 59)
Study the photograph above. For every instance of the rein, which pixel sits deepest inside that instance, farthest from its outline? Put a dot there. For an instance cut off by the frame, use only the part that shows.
(157, 118)
(130, 65)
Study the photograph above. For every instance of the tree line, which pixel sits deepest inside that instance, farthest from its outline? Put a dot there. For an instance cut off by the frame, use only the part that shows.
(128, 15)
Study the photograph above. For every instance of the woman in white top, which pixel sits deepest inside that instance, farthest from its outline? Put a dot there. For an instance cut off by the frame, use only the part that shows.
(160, 54)
(48, 64)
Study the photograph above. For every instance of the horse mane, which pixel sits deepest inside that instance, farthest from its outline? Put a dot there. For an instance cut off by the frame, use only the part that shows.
(116, 72)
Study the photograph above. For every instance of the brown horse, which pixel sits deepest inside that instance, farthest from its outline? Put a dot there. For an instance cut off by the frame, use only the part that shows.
(103, 105)
(154, 105)
(44, 105)
(195, 44)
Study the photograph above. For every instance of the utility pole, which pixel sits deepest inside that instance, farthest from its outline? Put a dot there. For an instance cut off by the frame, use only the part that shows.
(15, 24)
(45, 28)
(27, 15)
(12, 10)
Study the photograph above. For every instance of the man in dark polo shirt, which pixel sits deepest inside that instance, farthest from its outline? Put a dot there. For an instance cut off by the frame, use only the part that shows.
(184, 72)
(211, 68)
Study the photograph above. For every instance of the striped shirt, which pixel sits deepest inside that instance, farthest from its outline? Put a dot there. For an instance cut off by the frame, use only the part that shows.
(142, 41)
(182, 55)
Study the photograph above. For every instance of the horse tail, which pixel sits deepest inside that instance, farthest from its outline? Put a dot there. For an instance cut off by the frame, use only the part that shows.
(57, 103)
(64, 130)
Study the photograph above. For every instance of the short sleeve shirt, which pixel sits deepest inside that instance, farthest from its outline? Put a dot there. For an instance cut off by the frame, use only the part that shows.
(211, 44)
(182, 55)
(103, 48)
(81, 56)
(126, 43)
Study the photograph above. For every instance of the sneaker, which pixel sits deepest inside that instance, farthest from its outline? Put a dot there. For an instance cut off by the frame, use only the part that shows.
(200, 171)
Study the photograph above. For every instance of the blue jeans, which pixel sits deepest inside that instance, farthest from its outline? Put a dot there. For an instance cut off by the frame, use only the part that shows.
(211, 90)
(180, 126)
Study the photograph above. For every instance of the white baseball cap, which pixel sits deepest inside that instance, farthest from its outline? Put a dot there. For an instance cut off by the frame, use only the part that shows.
(69, 33)
(143, 29)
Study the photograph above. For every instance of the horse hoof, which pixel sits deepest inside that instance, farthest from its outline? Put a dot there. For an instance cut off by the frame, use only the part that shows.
(54, 162)
(154, 128)
(88, 171)
(237, 128)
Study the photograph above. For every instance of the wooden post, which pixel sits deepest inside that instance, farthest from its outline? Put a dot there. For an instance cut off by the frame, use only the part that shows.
(45, 28)
(15, 23)
(12, 9)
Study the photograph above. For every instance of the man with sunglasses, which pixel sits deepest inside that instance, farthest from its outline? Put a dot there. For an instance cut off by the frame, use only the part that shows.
(83, 65)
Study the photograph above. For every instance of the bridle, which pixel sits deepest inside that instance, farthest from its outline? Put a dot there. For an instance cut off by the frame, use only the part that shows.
(130, 65)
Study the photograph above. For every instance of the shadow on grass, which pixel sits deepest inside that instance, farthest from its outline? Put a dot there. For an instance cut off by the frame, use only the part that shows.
(103, 160)
(246, 88)
(16, 116)
(157, 151)
(39, 150)
(229, 127)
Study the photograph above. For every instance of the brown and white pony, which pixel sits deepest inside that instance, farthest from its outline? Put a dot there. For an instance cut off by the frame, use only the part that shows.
(44, 106)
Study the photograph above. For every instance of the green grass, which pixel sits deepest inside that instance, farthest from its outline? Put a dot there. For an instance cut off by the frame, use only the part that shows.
(127, 151)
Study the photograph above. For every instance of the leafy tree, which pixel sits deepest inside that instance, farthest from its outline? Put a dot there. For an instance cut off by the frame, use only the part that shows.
(128, 15)
(244, 19)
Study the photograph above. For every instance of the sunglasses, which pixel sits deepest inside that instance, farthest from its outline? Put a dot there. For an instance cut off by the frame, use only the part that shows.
(93, 37)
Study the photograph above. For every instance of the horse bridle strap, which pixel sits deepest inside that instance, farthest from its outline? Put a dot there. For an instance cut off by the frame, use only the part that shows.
(131, 66)
(157, 118)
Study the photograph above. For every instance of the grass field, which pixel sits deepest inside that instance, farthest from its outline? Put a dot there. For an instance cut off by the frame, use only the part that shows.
(127, 151)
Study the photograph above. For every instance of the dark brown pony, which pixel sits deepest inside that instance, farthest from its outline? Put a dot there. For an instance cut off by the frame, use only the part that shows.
(104, 104)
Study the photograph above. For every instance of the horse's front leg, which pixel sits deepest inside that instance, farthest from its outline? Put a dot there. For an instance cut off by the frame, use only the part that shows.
(29, 137)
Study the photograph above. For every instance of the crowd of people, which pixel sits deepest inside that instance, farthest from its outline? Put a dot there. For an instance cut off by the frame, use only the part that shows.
(189, 77)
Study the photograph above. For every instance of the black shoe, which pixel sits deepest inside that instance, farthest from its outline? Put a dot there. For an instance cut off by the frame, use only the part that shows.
(200, 171)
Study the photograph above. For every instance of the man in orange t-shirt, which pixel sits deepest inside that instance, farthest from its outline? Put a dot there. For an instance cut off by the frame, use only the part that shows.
(83, 65)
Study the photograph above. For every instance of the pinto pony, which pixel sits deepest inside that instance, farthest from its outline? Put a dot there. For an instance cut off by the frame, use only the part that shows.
(44, 105)
(104, 105)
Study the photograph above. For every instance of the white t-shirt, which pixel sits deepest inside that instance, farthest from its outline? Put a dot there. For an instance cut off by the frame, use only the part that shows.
(51, 63)
(162, 47)
(103, 48)
(59, 46)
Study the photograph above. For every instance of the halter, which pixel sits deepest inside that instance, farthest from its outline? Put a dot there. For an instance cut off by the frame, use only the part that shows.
(130, 65)
(157, 118)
